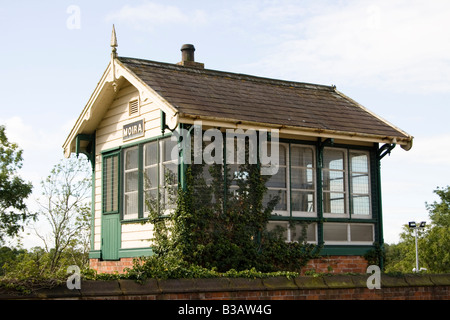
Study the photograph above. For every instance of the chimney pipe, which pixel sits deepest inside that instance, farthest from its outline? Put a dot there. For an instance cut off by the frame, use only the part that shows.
(187, 52)
(187, 57)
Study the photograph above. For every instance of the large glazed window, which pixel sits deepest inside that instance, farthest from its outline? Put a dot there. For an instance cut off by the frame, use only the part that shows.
(150, 178)
(346, 183)
(294, 182)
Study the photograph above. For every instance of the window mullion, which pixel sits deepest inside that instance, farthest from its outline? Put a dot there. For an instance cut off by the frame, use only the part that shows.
(158, 151)
(140, 181)
(349, 186)
(288, 182)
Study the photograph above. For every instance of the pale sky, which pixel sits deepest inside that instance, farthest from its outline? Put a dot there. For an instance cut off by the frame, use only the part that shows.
(392, 56)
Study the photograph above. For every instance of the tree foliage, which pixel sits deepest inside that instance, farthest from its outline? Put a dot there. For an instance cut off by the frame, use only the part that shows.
(436, 255)
(13, 189)
(65, 206)
(433, 241)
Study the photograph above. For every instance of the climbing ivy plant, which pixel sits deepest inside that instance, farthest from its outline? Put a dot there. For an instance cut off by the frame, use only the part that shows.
(219, 222)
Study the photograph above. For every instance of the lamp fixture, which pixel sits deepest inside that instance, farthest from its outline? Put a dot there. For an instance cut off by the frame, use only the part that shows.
(415, 227)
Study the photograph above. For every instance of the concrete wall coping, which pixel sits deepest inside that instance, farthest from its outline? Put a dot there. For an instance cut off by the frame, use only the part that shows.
(91, 288)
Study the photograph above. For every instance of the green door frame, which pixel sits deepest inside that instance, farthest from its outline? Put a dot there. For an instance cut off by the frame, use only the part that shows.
(111, 227)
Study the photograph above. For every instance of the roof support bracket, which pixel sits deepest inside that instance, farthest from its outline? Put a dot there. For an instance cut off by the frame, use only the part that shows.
(89, 149)
(384, 150)
(321, 145)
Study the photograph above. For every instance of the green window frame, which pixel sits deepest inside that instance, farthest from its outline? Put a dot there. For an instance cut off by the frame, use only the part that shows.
(295, 182)
(347, 178)
(346, 183)
(150, 178)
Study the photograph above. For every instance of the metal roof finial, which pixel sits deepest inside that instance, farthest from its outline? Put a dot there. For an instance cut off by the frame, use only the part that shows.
(113, 57)
(114, 43)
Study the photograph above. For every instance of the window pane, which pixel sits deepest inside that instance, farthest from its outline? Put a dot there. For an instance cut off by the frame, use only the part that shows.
(278, 180)
(302, 178)
(151, 200)
(359, 232)
(333, 181)
(278, 227)
(131, 204)
(151, 177)
(302, 156)
(170, 170)
(168, 146)
(335, 232)
(282, 154)
(131, 158)
(333, 159)
(282, 203)
(302, 201)
(304, 232)
(359, 162)
(334, 203)
(361, 205)
(360, 183)
(131, 181)
(151, 153)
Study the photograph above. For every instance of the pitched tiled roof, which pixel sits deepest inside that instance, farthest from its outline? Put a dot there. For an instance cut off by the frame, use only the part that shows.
(231, 96)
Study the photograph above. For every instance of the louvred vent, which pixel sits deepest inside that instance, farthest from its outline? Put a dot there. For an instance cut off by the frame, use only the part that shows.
(133, 107)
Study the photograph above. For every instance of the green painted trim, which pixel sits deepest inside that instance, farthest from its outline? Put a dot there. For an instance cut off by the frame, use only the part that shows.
(286, 218)
(225, 171)
(345, 250)
(140, 181)
(349, 220)
(290, 180)
(111, 215)
(182, 166)
(135, 252)
(92, 238)
(136, 143)
(379, 156)
(95, 254)
(111, 237)
(90, 150)
(319, 189)
(125, 253)
(158, 175)
(349, 184)
(162, 121)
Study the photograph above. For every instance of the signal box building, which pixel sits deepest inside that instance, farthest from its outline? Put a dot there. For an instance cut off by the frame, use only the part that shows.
(330, 149)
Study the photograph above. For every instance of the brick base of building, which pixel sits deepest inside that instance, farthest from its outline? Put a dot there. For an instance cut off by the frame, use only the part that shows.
(337, 264)
(114, 266)
(328, 264)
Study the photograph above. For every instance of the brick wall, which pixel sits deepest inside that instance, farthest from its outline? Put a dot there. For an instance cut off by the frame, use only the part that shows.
(337, 264)
(335, 287)
(110, 266)
(326, 264)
